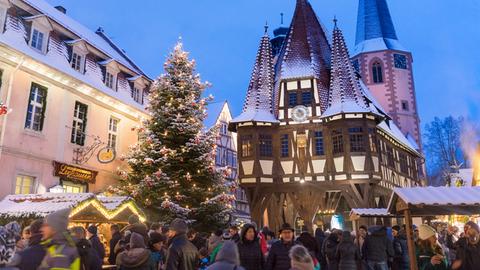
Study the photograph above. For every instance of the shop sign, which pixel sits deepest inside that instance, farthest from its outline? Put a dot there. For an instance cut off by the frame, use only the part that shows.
(74, 173)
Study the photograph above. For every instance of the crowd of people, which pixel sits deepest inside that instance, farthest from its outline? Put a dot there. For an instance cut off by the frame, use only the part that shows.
(50, 243)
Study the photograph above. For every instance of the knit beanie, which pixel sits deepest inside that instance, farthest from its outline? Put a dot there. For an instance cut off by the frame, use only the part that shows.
(137, 241)
(92, 229)
(58, 220)
(300, 258)
(179, 225)
(425, 232)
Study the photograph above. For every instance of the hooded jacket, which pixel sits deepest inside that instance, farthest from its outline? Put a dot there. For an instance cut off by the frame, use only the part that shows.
(182, 254)
(251, 255)
(137, 257)
(227, 258)
(377, 247)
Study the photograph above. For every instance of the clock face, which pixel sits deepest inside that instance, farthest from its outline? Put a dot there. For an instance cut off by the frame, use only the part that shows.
(300, 113)
(400, 61)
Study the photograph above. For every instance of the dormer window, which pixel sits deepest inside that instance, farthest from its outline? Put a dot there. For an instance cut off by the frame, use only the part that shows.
(109, 80)
(77, 61)
(137, 95)
(37, 40)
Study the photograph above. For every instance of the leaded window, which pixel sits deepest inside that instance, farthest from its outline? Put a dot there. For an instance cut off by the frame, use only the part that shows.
(292, 99)
(377, 72)
(265, 145)
(36, 107)
(246, 143)
(284, 145)
(306, 98)
(319, 149)
(357, 143)
(337, 141)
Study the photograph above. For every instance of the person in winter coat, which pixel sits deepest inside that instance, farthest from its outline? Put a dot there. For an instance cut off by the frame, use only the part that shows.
(233, 230)
(468, 251)
(251, 255)
(157, 247)
(134, 225)
(329, 249)
(61, 251)
(32, 256)
(198, 241)
(377, 249)
(116, 236)
(347, 253)
(278, 254)
(310, 243)
(430, 255)
(300, 258)
(89, 259)
(400, 260)
(182, 254)
(95, 241)
(227, 258)
(320, 238)
(214, 240)
(138, 257)
(225, 237)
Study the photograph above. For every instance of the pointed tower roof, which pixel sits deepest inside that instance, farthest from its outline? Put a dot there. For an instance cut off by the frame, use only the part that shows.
(346, 95)
(258, 103)
(305, 52)
(375, 30)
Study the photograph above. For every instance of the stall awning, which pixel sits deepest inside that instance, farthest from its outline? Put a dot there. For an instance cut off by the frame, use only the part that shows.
(432, 201)
(86, 207)
(357, 213)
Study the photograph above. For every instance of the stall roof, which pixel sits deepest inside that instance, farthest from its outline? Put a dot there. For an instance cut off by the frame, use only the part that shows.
(84, 206)
(357, 213)
(429, 201)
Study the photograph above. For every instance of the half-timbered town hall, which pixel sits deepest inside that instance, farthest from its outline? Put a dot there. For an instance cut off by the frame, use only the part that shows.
(312, 138)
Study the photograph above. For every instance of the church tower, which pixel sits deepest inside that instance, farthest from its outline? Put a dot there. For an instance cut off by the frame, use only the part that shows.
(386, 67)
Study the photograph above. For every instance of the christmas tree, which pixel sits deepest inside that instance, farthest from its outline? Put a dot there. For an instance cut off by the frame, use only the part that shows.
(172, 170)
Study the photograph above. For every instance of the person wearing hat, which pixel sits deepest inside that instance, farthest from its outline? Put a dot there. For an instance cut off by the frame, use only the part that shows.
(430, 255)
(92, 236)
(468, 250)
(137, 257)
(182, 254)
(89, 259)
(225, 237)
(61, 252)
(278, 256)
(157, 247)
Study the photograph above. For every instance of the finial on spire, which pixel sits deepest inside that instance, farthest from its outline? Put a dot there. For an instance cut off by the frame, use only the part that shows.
(281, 18)
(266, 27)
(335, 21)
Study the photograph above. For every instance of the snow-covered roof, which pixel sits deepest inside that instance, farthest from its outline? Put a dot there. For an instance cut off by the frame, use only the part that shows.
(393, 131)
(437, 200)
(255, 116)
(346, 95)
(375, 30)
(305, 52)
(356, 213)
(99, 42)
(57, 58)
(40, 205)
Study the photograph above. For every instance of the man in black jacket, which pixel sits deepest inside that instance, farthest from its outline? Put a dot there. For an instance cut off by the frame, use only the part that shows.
(377, 249)
(89, 259)
(181, 254)
(278, 256)
(95, 241)
(116, 236)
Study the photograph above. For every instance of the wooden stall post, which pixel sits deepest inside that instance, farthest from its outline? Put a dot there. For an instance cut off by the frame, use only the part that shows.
(410, 243)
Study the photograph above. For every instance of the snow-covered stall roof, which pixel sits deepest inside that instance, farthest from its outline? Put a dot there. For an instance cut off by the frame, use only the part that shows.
(85, 206)
(436, 200)
(357, 213)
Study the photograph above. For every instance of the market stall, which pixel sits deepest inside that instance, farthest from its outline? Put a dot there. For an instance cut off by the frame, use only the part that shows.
(86, 208)
(358, 213)
(429, 201)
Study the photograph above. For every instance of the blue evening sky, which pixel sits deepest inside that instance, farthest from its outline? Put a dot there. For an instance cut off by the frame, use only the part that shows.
(223, 36)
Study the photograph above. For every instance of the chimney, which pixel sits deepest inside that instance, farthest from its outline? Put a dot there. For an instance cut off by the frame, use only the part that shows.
(61, 9)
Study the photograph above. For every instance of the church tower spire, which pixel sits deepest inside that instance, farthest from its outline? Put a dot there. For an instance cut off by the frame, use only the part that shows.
(386, 66)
